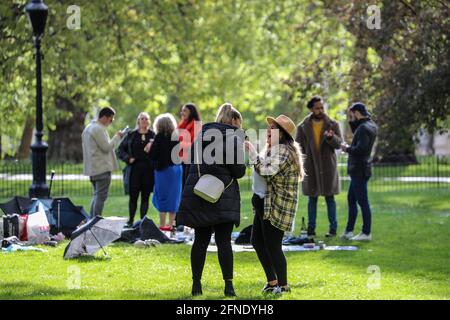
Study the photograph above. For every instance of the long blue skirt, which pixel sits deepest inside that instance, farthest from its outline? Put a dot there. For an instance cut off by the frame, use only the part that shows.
(168, 186)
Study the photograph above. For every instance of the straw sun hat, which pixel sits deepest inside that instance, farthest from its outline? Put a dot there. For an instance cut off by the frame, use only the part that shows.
(285, 123)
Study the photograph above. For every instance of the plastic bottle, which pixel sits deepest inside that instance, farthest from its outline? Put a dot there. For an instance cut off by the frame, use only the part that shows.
(173, 231)
(303, 232)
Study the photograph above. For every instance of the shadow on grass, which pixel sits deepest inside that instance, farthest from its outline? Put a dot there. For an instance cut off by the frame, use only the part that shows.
(88, 259)
(20, 290)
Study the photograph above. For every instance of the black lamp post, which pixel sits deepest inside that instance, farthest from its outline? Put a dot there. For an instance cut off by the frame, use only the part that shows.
(37, 13)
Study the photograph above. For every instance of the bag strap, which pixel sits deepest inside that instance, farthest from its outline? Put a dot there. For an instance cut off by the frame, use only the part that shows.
(198, 159)
(229, 184)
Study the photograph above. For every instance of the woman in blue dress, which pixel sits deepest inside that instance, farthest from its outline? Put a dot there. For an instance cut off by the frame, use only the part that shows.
(168, 170)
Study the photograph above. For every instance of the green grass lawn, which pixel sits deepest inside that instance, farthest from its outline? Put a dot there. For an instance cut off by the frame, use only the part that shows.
(410, 247)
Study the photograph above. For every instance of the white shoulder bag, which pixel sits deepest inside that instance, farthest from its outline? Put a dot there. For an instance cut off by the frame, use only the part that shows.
(209, 187)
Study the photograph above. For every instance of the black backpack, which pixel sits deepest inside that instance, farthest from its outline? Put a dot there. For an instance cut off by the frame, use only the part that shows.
(149, 230)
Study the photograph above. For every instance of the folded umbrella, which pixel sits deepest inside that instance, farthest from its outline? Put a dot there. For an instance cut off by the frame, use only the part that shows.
(93, 236)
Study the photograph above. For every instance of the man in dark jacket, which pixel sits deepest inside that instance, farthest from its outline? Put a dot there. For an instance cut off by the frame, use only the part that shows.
(359, 169)
(319, 137)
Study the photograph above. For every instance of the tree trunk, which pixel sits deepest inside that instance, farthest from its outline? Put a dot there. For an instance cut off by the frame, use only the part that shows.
(65, 141)
(25, 142)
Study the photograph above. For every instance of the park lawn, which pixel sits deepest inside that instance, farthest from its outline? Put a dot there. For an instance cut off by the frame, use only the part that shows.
(410, 248)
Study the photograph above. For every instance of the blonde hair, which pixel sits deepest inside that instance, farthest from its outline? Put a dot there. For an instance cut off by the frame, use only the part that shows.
(227, 113)
(149, 120)
(165, 124)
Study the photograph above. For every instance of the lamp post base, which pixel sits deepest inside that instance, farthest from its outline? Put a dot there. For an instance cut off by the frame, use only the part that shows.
(39, 188)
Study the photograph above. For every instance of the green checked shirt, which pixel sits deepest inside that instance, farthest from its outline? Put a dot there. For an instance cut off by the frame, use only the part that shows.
(279, 170)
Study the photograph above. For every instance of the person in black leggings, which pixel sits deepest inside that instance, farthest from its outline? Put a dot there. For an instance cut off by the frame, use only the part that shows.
(222, 234)
(220, 216)
(141, 182)
(277, 173)
(266, 240)
(134, 151)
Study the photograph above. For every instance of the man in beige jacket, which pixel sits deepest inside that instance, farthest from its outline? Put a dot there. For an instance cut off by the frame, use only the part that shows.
(99, 158)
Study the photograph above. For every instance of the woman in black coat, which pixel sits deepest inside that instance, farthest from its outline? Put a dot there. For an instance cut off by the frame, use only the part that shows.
(134, 151)
(222, 216)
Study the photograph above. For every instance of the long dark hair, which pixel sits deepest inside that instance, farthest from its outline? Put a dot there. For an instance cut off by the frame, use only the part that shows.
(294, 149)
(194, 115)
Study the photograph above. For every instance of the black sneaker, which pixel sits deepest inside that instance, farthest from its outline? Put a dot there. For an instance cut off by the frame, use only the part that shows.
(229, 290)
(331, 234)
(197, 288)
(311, 232)
(129, 224)
(269, 289)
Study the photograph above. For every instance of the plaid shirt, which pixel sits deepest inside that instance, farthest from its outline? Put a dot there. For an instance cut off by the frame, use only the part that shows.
(282, 176)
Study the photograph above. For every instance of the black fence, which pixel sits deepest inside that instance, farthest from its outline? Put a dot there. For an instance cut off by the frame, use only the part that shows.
(432, 172)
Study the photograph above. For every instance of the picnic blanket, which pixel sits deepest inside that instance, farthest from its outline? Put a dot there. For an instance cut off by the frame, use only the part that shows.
(249, 248)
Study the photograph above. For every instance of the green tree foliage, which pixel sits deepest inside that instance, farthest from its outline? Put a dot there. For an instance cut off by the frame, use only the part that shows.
(155, 56)
(402, 69)
(266, 57)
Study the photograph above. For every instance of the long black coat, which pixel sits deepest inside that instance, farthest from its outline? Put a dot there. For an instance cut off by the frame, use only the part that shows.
(359, 153)
(196, 212)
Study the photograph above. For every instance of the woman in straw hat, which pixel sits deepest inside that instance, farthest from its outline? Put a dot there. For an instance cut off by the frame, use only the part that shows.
(275, 204)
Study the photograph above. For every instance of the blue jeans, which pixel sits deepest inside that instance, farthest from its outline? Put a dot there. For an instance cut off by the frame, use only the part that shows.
(312, 212)
(358, 194)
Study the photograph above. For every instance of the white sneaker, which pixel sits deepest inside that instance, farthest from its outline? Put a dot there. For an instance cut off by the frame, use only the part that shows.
(362, 237)
(347, 235)
(139, 244)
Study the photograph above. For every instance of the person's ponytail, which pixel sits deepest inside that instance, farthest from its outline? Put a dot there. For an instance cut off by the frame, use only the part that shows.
(227, 113)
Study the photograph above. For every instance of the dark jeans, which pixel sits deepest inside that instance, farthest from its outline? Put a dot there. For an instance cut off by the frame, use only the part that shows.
(312, 212)
(223, 241)
(358, 194)
(141, 182)
(267, 241)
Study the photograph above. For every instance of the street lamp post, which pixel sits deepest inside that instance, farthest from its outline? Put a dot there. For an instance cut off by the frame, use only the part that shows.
(37, 13)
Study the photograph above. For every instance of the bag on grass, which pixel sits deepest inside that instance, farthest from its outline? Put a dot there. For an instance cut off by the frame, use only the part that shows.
(149, 230)
(245, 236)
(38, 228)
(11, 225)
